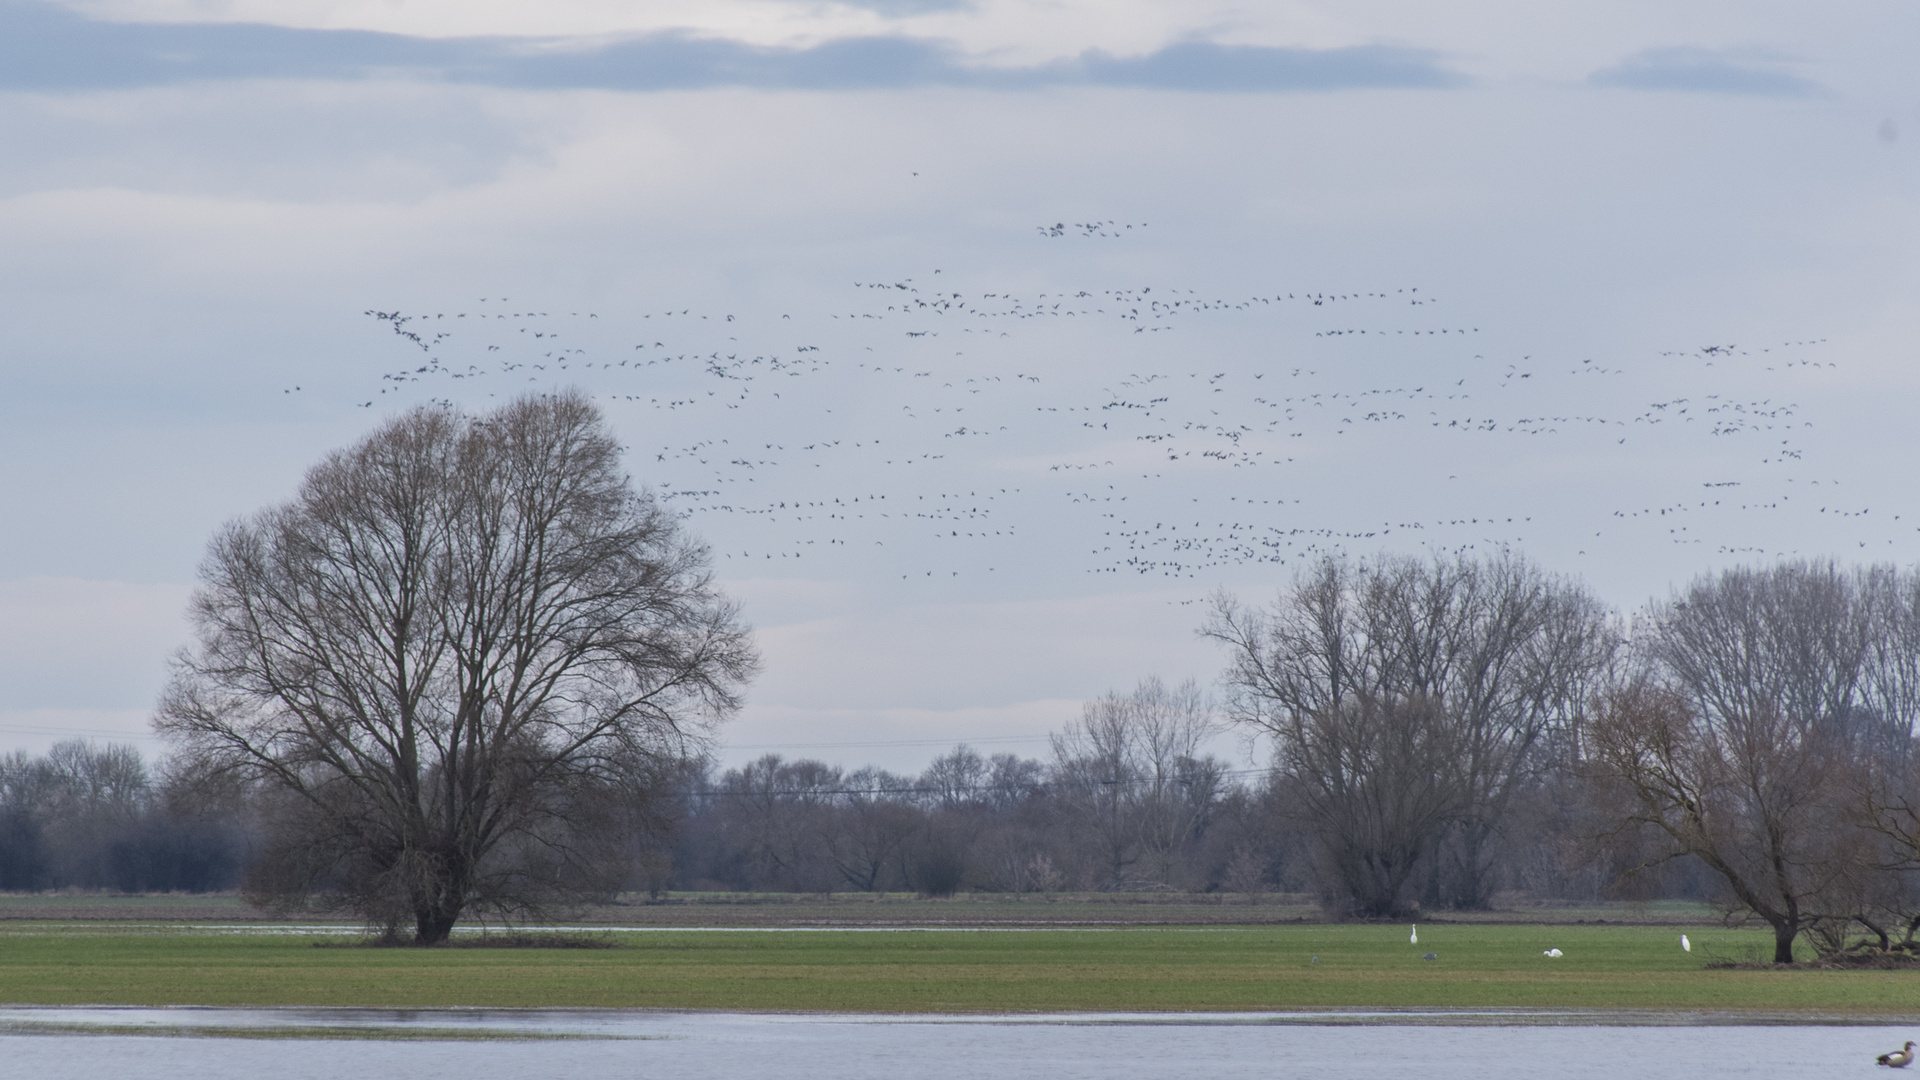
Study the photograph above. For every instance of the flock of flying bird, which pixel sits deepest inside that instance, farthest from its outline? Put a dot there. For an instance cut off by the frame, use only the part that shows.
(934, 427)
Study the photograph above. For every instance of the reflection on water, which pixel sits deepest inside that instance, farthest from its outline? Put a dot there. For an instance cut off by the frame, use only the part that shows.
(466, 1044)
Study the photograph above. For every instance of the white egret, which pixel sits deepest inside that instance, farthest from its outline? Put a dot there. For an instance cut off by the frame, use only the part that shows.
(1685, 945)
(1415, 936)
(1555, 953)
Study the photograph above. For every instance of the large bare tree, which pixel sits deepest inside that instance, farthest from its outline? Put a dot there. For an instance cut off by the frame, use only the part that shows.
(1754, 796)
(452, 662)
(1407, 698)
(1769, 735)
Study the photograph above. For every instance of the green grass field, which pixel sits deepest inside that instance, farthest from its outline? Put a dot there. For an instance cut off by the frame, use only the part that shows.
(1149, 969)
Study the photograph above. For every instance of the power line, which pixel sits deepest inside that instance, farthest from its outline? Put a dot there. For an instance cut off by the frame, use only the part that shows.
(118, 733)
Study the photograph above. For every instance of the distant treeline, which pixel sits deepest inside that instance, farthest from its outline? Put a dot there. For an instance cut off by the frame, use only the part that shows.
(1127, 800)
(95, 817)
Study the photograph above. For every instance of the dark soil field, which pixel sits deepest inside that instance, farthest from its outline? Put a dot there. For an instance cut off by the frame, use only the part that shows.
(865, 909)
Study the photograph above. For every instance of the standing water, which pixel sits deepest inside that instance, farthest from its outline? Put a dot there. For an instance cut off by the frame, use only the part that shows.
(476, 1044)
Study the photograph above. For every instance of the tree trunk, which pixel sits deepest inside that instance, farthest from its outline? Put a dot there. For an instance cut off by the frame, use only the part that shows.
(432, 925)
(1375, 883)
(438, 903)
(1467, 881)
(1783, 935)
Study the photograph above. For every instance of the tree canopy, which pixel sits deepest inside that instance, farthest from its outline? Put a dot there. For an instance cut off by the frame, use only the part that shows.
(452, 664)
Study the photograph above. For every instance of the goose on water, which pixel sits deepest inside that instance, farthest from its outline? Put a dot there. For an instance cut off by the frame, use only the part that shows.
(1899, 1059)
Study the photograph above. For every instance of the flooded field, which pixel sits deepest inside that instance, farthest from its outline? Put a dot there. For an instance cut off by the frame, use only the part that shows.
(473, 1044)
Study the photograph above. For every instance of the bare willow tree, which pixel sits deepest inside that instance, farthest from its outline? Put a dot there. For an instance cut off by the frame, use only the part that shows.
(1407, 698)
(1889, 782)
(1750, 797)
(777, 812)
(452, 663)
(871, 826)
(1133, 780)
(1367, 778)
(1769, 735)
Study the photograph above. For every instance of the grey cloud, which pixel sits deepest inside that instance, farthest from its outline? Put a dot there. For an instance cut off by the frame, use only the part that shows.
(49, 49)
(898, 8)
(1693, 70)
(1200, 66)
(45, 48)
(676, 62)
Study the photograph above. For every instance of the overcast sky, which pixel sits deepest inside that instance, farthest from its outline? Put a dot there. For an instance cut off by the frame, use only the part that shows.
(1095, 307)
